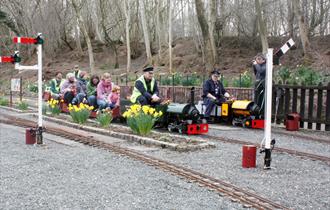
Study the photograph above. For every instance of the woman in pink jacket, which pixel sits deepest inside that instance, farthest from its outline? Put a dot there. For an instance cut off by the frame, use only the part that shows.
(104, 90)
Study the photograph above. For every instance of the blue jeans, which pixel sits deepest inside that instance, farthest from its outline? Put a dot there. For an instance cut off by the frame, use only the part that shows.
(103, 104)
(92, 100)
(78, 98)
(210, 105)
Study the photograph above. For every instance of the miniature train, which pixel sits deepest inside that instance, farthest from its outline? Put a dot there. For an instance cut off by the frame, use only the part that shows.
(188, 118)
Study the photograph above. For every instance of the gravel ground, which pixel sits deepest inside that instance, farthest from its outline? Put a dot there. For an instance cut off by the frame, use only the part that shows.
(73, 176)
(284, 141)
(293, 182)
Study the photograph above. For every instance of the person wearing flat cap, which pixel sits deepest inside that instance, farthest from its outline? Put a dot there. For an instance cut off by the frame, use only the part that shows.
(145, 91)
(259, 69)
(213, 93)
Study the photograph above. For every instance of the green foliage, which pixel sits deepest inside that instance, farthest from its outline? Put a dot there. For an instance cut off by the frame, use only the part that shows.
(104, 118)
(4, 102)
(33, 87)
(80, 113)
(22, 105)
(180, 79)
(245, 80)
(302, 75)
(54, 106)
(283, 74)
(224, 81)
(141, 119)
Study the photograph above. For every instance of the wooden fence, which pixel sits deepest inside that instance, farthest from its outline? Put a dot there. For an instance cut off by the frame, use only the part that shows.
(311, 102)
(181, 94)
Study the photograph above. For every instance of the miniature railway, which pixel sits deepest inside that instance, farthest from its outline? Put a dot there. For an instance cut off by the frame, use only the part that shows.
(303, 155)
(236, 194)
(302, 136)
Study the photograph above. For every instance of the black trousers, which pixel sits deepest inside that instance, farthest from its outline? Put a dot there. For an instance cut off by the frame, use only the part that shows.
(144, 101)
(259, 94)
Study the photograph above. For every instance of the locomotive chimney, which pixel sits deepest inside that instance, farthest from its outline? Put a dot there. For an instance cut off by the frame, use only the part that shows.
(192, 96)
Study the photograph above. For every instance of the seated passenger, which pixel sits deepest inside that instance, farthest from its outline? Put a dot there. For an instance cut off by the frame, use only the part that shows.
(55, 85)
(103, 91)
(213, 93)
(69, 88)
(114, 97)
(81, 88)
(91, 90)
(145, 91)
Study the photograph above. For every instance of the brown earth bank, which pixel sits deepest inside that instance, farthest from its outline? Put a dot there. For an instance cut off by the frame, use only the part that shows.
(235, 56)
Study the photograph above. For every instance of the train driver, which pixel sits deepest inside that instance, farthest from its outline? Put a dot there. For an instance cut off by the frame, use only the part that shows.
(213, 93)
(259, 69)
(145, 91)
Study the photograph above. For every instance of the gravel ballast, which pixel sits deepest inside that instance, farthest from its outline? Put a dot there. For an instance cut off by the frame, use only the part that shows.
(73, 176)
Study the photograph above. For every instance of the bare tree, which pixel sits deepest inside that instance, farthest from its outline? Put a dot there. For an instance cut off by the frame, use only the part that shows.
(84, 31)
(303, 28)
(128, 20)
(262, 27)
(145, 31)
(170, 34)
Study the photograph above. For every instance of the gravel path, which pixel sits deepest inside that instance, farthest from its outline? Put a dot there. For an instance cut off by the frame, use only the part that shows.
(73, 176)
(293, 182)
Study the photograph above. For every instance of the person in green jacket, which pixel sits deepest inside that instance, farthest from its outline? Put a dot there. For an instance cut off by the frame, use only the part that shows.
(55, 85)
(91, 90)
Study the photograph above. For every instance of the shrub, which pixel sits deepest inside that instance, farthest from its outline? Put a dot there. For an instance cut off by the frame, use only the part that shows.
(104, 117)
(4, 102)
(284, 74)
(141, 119)
(80, 113)
(33, 88)
(22, 105)
(305, 75)
(54, 106)
(244, 81)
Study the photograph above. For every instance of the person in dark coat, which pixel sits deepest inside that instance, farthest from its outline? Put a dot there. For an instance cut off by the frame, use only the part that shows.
(259, 69)
(146, 91)
(213, 93)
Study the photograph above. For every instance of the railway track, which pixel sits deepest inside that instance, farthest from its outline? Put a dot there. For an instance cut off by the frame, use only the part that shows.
(236, 194)
(304, 155)
(301, 136)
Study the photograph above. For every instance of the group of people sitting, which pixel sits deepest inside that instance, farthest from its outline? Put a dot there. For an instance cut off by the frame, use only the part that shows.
(78, 88)
(102, 93)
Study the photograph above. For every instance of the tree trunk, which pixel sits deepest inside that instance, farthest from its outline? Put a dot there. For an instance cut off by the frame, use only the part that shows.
(77, 37)
(212, 18)
(303, 29)
(85, 33)
(128, 20)
(205, 30)
(158, 31)
(262, 27)
(290, 18)
(145, 32)
(170, 34)
(96, 22)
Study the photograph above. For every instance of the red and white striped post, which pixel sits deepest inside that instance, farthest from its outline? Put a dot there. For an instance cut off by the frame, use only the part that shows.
(39, 41)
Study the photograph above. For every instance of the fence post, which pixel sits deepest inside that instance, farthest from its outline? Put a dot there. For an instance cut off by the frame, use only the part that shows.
(310, 107)
(20, 89)
(173, 95)
(319, 106)
(240, 80)
(327, 111)
(126, 79)
(302, 105)
(160, 80)
(117, 82)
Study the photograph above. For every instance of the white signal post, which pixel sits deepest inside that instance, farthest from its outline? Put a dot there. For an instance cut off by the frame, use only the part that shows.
(268, 110)
(39, 42)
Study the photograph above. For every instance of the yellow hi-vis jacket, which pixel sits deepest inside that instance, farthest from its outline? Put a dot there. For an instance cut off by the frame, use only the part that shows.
(136, 93)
